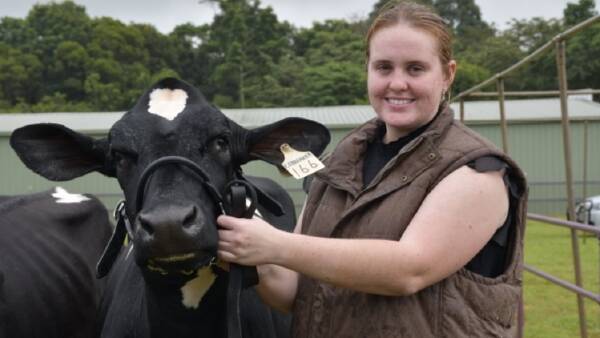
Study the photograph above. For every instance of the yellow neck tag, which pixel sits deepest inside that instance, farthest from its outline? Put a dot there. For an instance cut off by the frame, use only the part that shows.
(298, 163)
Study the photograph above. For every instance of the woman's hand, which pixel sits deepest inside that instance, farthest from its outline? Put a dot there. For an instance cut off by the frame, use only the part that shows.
(248, 241)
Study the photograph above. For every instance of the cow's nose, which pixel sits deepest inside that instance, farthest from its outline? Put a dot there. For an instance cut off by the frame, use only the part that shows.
(169, 221)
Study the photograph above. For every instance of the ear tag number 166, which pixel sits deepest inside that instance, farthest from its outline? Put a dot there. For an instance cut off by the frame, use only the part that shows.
(298, 163)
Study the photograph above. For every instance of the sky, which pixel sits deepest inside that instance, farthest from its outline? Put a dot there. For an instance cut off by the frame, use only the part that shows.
(165, 15)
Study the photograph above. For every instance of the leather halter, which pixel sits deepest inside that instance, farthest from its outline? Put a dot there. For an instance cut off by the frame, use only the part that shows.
(237, 192)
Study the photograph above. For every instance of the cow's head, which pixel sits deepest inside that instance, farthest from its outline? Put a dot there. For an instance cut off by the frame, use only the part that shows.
(176, 219)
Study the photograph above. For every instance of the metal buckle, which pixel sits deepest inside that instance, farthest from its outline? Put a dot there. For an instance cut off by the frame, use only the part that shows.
(119, 209)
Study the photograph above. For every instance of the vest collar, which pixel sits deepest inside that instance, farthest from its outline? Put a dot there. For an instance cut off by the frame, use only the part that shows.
(344, 166)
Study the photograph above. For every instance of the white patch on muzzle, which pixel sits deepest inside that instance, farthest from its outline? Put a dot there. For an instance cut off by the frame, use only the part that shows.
(167, 103)
(63, 196)
(193, 291)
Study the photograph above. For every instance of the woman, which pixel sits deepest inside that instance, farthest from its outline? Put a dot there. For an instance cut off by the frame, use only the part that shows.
(415, 227)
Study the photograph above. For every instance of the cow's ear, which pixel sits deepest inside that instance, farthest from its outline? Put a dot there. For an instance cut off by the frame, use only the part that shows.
(304, 135)
(59, 153)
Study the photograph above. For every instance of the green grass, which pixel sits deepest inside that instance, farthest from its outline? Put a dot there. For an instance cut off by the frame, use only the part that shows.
(551, 310)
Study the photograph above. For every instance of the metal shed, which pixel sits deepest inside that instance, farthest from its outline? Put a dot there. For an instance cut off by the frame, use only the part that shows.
(534, 139)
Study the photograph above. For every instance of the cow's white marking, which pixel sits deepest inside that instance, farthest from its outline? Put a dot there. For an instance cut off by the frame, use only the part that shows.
(63, 196)
(193, 291)
(167, 103)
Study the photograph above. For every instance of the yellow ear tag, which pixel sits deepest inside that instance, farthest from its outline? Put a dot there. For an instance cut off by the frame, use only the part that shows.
(298, 163)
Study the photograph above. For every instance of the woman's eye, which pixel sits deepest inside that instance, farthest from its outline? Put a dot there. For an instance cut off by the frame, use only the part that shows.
(415, 69)
(383, 67)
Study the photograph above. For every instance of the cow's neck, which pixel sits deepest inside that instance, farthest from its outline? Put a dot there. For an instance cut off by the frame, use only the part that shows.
(171, 310)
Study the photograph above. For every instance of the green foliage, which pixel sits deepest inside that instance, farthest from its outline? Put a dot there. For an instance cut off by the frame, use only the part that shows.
(333, 40)
(19, 75)
(68, 68)
(531, 34)
(335, 83)
(244, 45)
(16, 32)
(60, 59)
(463, 16)
(468, 75)
(54, 23)
(583, 64)
(576, 13)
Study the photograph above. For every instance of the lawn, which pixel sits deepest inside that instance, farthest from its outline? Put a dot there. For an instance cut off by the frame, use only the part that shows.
(550, 310)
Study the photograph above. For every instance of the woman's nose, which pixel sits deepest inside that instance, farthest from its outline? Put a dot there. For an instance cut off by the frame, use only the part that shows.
(398, 81)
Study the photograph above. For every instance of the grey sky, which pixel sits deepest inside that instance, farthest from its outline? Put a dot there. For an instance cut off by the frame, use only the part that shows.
(302, 13)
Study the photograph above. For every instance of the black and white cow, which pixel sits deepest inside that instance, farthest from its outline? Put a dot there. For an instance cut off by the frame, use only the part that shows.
(162, 284)
(49, 245)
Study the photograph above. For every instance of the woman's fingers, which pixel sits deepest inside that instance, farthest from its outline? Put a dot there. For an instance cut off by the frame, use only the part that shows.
(244, 241)
(226, 222)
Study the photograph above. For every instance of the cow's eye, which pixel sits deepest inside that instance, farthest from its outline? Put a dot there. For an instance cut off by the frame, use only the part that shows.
(218, 144)
(123, 159)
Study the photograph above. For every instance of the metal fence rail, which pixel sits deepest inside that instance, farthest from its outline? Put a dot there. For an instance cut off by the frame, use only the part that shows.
(558, 43)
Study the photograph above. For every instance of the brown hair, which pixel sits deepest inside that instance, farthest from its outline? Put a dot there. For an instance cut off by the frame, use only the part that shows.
(418, 16)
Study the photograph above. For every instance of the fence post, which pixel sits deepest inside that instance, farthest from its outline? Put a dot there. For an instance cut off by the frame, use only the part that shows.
(585, 158)
(562, 83)
(503, 124)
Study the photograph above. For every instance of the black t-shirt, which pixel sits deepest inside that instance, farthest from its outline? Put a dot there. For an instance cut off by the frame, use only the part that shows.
(379, 154)
(491, 260)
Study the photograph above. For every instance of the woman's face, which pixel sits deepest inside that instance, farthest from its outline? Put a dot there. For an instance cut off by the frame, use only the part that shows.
(405, 78)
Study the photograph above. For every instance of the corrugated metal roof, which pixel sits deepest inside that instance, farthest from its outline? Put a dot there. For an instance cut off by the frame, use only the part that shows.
(532, 109)
(334, 116)
(330, 116)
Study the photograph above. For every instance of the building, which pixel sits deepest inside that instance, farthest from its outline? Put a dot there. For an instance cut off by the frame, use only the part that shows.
(535, 141)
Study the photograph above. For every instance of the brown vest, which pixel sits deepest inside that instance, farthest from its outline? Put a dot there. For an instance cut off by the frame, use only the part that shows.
(464, 304)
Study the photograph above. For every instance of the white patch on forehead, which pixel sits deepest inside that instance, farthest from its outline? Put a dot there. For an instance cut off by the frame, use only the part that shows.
(167, 103)
(63, 196)
(193, 291)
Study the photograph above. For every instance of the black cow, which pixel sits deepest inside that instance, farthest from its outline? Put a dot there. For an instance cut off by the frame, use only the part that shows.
(163, 284)
(49, 245)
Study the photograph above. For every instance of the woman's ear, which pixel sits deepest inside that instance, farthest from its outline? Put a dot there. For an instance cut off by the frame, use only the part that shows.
(451, 73)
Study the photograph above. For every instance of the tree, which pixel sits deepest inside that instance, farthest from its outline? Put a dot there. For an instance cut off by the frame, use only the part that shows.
(68, 69)
(111, 38)
(16, 33)
(20, 76)
(190, 57)
(583, 65)
(468, 75)
(332, 40)
(245, 40)
(54, 23)
(576, 13)
(464, 17)
(335, 83)
(160, 48)
(530, 34)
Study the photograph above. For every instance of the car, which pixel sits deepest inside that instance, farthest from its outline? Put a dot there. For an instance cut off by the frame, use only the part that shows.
(588, 211)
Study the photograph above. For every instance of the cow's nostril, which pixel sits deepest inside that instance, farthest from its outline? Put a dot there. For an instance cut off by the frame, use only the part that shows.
(190, 218)
(146, 224)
